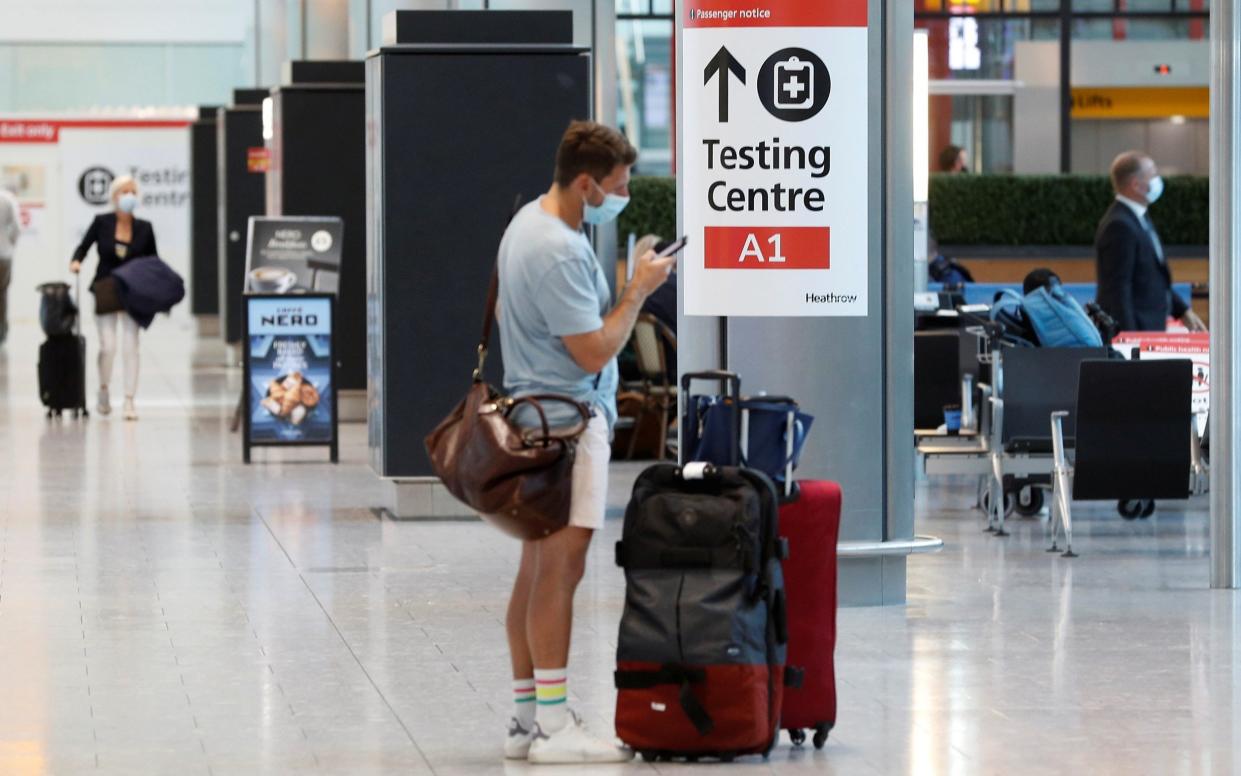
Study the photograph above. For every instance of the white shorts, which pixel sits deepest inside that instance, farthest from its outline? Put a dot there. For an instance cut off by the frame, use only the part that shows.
(590, 475)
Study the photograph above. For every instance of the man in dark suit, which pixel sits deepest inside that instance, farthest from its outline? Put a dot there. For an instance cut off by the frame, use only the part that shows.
(1135, 284)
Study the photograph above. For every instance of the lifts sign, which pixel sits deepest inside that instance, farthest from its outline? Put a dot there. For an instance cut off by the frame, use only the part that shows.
(774, 155)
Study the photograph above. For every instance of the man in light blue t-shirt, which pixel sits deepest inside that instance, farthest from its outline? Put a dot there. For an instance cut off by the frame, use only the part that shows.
(561, 335)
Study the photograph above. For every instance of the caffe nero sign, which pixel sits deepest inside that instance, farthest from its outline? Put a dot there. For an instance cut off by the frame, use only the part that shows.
(162, 187)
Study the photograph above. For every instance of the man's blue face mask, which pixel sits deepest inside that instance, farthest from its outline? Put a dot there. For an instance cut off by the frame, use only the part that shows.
(1156, 190)
(610, 208)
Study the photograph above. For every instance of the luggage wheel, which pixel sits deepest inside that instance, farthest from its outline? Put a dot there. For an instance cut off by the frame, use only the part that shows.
(797, 736)
(1132, 509)
(820, 735)
(1030, 501)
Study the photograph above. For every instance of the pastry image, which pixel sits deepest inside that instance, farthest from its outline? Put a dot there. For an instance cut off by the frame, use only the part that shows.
(291, 398)
(310, 396)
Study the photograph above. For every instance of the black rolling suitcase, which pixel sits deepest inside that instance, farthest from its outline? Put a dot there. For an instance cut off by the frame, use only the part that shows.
(62, 373)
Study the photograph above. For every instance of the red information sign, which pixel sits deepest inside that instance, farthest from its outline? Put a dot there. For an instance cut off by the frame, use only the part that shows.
(775, 13)
(258, 159)
(768, 247)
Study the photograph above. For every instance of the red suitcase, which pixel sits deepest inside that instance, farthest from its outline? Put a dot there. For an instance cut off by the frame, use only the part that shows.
(811, 524)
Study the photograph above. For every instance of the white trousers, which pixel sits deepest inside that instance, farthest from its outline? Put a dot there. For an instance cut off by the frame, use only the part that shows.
(107, 349)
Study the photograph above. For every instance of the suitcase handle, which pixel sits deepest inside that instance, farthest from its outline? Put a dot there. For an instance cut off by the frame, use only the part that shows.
(779, 613)
(731, 383)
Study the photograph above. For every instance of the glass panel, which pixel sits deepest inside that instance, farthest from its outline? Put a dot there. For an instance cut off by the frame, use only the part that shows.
(983, 126)
(1096, 6)
(50, 77)
(205, 75)
(38, 77)
(968, 48)
(1157, 29)
(634, 6)
(645, 109)
(1034, 5)
(1158, 6)
(661, 6)
(1139, 29)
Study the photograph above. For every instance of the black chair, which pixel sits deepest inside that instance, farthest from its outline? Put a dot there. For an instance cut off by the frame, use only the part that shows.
(1135, 439)
(1038, 382)
(1033, 383)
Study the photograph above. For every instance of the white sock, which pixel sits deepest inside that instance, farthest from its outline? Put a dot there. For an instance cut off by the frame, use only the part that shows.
(551, 688)
(524, 702)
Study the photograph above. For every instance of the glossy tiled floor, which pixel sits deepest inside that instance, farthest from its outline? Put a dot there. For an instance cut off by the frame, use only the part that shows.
(165, 609)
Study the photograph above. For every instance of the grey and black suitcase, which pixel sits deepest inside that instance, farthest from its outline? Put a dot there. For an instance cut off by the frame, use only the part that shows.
(701, 651)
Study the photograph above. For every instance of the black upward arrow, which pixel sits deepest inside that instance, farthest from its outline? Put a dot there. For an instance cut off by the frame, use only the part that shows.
(723, 62)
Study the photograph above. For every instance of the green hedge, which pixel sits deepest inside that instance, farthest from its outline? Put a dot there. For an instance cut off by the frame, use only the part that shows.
(652, 208)
(1000, 210)
(1031, 210)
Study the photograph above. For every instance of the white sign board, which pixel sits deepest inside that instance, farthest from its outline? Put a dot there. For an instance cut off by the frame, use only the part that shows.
(774, 158)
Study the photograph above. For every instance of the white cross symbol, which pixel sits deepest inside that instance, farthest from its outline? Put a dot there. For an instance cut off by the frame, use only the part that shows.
(794, 87)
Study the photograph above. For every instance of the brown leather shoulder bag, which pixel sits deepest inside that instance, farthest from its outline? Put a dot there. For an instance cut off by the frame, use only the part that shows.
(519, 479)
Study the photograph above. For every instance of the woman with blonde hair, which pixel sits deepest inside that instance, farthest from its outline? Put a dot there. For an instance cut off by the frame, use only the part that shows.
(118, 237)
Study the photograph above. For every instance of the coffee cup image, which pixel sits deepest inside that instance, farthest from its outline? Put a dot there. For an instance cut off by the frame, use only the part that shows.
(272, 280)
(291, 398)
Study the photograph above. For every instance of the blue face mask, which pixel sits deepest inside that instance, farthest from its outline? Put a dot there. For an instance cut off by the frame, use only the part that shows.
(127, 203)
(612, 206)
(1156, 190)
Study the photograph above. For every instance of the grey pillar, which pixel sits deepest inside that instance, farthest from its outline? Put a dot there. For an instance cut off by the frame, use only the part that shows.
(325, 27)
(1225, 295)
(272, 18)
(854, 374)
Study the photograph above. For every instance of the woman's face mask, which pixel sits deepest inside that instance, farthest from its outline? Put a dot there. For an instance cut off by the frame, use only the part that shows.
(127, 202)
(608, 210)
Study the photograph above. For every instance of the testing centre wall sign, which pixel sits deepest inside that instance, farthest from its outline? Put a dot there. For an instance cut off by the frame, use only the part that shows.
(774, 155)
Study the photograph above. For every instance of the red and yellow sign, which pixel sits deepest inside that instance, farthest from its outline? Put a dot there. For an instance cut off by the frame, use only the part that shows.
(258, 159)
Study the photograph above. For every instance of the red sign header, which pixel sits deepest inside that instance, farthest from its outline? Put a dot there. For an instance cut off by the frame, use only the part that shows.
(775, 13)
(48, 131)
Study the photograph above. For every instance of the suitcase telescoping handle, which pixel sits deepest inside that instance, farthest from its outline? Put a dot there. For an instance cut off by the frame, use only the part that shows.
(730, 382)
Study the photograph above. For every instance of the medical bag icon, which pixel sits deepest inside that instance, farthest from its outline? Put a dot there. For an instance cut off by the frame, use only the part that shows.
(794, 84)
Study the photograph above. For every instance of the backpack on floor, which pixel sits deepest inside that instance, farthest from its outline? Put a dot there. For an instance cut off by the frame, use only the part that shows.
(701, 651)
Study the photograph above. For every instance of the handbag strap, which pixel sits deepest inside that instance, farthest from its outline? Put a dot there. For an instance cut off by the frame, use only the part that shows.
(493, 298)
(489, 319)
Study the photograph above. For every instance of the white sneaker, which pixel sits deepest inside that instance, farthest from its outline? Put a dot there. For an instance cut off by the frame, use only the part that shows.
(105, 406)
(517, 742)
(574, 744)
(130, 412)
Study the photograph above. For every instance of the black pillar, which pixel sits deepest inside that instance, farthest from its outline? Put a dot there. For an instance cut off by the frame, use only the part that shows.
(241, 194)
(204, 229)
(464, 120)
(318, 149)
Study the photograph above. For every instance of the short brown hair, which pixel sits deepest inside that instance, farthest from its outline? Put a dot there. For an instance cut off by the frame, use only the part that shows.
(591, 148)
(948, 157)
(1125, 167)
